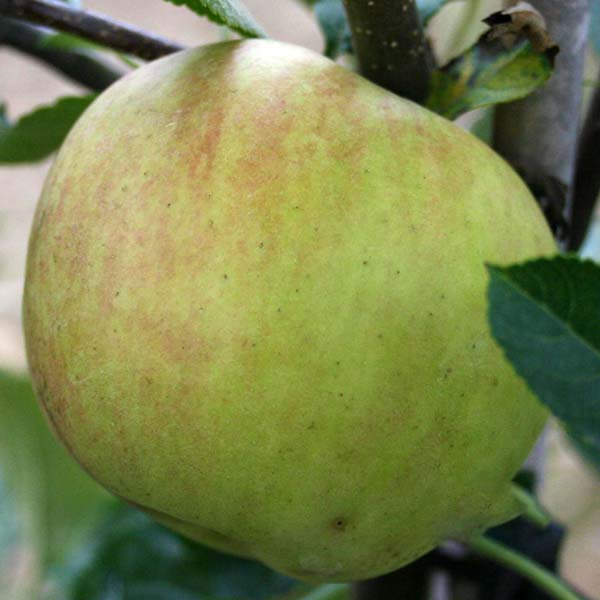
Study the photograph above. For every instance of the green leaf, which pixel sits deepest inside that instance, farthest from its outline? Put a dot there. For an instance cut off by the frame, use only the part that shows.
(9, 523)
(334, 25)
(145, 561)
(39, 133)
(231, 13)
(546, 316)
(487, 74)
(57, 503)
(12, 547)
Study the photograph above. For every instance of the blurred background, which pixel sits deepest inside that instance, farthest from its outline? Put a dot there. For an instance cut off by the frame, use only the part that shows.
(570, 491)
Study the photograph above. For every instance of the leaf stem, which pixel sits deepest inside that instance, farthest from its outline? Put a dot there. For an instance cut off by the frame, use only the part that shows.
(90, 25)
(522, 564)
(530, 507)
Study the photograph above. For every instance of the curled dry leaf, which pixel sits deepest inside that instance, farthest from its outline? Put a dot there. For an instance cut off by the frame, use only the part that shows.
(521, 20)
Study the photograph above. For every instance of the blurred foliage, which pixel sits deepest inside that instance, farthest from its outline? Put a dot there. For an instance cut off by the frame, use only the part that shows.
(40, 133)
(11, 546)
(133, 557)
(9, 526)
(53, 504)
(332, 20)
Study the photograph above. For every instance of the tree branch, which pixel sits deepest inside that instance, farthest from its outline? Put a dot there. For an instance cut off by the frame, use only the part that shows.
(90, 25)
(587, 175)
(538, 134)
(79, 66)
(390, 46)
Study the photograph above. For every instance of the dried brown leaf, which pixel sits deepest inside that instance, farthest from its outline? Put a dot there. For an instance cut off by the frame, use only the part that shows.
(521, 20)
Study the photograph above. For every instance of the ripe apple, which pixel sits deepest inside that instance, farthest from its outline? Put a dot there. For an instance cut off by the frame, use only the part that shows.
(255, 307)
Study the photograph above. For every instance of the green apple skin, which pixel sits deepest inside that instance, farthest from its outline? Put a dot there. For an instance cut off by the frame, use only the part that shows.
(255, 306)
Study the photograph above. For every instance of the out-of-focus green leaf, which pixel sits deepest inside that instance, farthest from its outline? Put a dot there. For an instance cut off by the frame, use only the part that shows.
(38, 134)
(56, 502)
(546, 316)
(9, 526)
(486, 74)
(13, 551)
(231, 13)
(334, 25)
(135, 558)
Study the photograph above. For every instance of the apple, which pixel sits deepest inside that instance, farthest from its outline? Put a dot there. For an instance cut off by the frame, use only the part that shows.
(255, 307)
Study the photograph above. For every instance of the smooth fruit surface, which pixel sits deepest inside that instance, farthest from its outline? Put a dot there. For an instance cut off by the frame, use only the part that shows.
(255, 306)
